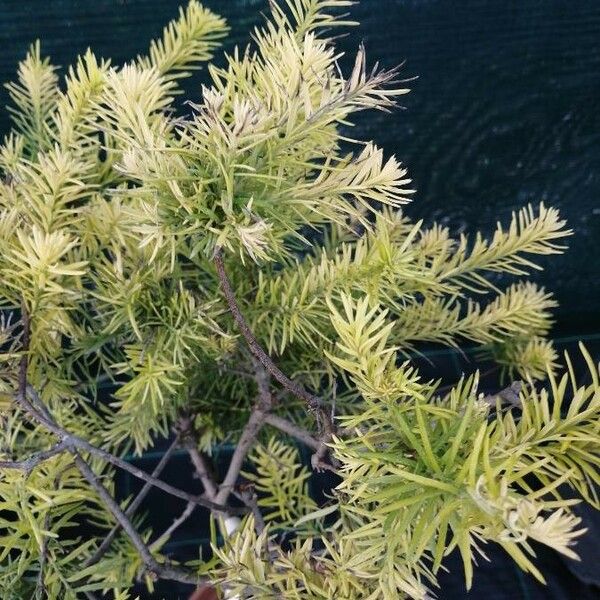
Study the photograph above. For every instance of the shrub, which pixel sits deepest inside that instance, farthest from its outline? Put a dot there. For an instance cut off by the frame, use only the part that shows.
(246, 273)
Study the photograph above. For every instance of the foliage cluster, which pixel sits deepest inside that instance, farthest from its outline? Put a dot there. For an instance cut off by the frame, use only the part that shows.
(123, 225)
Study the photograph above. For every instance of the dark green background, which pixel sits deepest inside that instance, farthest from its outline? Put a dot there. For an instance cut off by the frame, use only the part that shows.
(505, 110)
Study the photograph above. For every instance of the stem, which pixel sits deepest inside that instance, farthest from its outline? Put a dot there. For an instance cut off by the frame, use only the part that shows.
(105, 545)
(248, 497)
(202, 469)
(34, 460)
(253, 426)
(185, 515)
(293, 430)
(73, 444)
(74, 441)
(255, 422)
(312, 401)
(164, 571)
(185, 428)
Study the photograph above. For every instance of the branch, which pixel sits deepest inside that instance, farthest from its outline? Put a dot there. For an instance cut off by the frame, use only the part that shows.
(293, 430)
(248, 497)
(173, 491)
(73, 441)
(189, 442)
(34, 460)
(255, 422)
(105, 545)
(164, 571)
(185, 515)
(509, 395)
(312, 401)
(73, 444)
(203, 471)
(248, 437)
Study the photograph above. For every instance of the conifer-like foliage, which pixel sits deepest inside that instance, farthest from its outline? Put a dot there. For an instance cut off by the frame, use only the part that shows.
(244, 272)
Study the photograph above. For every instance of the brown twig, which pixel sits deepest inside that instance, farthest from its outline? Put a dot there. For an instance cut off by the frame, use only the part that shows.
(203, 471)
(164, 571)
(27, 465)
(131, 509)
(293, 430)
(73, 441)
(254, 424)
(180, 520)
(312, 401)
(188, 441)
(73, 444)
(247, 439)
(249, 498)
(509, 395)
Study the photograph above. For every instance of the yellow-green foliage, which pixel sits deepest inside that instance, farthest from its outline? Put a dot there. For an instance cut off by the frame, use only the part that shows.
(111, 210)
(280, 483)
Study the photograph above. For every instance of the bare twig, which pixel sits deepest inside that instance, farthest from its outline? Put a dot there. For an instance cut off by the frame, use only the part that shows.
(189, 442)
(312, 401)
(248, 437)
(185, 515)
(509, 395)
(105, 545)
(158, 483)
(322, 458)
(73, 441)
(293, 430)
(164, 571)
(255, 422)
(73, 444)
(317, 460)
(202, 469)
(263, 383)
(248, 497)
(27, 465)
